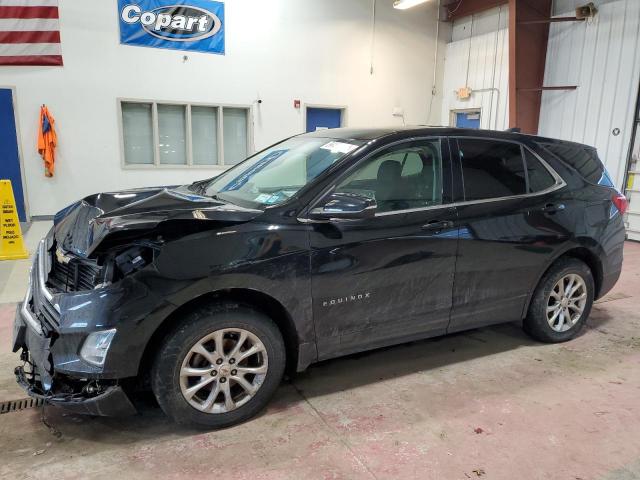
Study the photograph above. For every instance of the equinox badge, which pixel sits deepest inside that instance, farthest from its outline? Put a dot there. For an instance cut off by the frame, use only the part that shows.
(348, 299)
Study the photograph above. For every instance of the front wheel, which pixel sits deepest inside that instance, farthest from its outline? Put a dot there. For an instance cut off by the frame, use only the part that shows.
(220, 367)
(562, 302)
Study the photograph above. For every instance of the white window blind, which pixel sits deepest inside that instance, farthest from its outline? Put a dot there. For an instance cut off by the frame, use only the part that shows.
(183, 135)
(235, 135)
(137, 128)
(172, 133)
(204, 134)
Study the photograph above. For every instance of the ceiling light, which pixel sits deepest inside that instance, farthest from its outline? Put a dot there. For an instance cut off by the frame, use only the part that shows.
(404, 4)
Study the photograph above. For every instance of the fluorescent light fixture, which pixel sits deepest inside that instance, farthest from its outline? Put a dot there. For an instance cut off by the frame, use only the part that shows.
(404, 4)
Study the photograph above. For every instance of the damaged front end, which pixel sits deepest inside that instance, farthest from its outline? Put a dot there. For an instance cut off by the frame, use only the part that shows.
(95, 295)
(49, 345)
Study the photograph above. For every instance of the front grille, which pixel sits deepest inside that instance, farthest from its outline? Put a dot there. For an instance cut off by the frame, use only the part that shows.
(74, 276)
(40, 306)
(44, 311)
(50, 277)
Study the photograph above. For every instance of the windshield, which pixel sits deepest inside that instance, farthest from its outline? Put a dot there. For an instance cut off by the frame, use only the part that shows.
(277, 173)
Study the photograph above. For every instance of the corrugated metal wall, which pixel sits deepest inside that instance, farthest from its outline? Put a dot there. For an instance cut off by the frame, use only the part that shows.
(481, 53)
(603, 58)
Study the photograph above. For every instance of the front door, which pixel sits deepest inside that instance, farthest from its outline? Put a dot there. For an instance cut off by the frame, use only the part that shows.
(10, 159)
(387, 279)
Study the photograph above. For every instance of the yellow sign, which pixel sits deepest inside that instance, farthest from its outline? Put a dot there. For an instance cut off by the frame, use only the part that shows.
(11, 243)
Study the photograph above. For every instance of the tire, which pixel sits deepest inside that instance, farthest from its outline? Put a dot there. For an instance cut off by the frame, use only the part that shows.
(537, 322)
(210, 327)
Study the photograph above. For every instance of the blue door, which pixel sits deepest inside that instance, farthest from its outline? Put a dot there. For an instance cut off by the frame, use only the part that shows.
(321, 118)
(9, 159)
(468, 119)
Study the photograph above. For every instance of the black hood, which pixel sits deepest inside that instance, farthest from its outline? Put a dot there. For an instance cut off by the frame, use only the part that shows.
(84, 225)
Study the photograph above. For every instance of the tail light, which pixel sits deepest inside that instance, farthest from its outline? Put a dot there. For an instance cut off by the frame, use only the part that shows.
(621, 203)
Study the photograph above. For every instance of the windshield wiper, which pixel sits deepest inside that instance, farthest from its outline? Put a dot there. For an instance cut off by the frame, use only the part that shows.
(199, 186)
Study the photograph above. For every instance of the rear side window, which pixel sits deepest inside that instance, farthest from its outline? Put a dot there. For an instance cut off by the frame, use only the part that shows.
(584, 159)
(539, 177)
(491, 169)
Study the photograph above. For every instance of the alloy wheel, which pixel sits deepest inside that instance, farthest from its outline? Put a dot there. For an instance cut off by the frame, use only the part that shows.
(223, 370)
(566, 302)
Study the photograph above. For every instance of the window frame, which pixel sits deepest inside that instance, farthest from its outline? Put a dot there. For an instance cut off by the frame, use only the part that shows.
(447, 175)
(188, 134)
(545, 146)
(559, 181)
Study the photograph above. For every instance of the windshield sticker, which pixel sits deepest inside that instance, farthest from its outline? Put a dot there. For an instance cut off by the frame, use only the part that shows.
(339, 147)
(239, 181)
(263, 197)
(273, 198)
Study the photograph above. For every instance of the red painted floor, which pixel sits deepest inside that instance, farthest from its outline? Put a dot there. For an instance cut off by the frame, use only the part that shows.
(488, 403)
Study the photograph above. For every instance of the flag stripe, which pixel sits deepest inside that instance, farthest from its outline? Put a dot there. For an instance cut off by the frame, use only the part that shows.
(22, 49)
(28, 12)
(28, 3)
(29, 37)
(29, 25)
(29, 32)
(47, 60)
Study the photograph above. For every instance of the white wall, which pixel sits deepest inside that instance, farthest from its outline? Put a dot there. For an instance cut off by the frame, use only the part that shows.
(479, 50)
(603, 59)
(280, 50)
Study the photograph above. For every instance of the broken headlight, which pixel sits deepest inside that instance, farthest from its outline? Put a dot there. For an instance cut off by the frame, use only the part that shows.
(132, 260)
(125, 261)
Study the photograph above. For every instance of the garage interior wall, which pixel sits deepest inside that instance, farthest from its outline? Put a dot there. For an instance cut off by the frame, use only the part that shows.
(278, 51)
(603, 59)
(479, 50)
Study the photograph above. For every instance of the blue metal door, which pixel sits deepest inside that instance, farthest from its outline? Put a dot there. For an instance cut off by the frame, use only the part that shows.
(320, 118)
(9, 159)
(468, 119)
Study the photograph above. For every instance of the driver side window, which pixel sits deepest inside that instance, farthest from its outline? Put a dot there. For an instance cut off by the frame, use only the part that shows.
(403, 177)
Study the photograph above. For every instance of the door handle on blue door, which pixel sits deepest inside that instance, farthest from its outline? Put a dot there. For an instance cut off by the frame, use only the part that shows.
(435, 225)
(553, 208)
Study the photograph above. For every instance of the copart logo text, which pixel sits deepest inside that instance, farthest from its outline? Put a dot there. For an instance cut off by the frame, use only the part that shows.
(178, 23)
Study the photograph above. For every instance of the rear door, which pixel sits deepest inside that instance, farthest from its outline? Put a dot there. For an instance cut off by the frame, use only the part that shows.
(512, 220)
(387, 279)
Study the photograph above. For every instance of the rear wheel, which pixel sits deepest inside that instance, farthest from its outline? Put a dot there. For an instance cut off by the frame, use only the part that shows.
(219, 367)
(562, 302)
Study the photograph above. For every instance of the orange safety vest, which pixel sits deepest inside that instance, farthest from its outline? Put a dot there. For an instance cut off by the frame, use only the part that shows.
(47, 140)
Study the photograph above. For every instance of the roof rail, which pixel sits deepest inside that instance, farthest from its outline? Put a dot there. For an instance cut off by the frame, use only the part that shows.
(514, 130)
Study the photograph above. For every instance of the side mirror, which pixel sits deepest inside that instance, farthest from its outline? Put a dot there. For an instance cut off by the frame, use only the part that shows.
(344, 206)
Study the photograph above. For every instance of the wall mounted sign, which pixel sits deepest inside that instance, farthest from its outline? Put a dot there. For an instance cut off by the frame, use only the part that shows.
(194, 25)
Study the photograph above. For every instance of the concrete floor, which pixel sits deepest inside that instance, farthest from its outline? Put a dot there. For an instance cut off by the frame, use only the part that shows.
(488, 403)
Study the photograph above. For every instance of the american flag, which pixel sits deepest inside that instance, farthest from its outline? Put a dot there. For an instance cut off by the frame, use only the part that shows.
(29, 32)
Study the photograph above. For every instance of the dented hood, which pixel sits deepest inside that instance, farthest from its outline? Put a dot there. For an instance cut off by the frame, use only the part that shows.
(82, 226)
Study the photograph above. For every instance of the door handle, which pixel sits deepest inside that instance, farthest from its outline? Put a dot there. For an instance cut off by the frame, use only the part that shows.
(435, 225)
(553, 208)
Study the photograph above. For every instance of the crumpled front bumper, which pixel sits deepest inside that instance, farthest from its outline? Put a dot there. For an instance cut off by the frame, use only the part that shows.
(84, 390)
(112, 402)
(42, 382)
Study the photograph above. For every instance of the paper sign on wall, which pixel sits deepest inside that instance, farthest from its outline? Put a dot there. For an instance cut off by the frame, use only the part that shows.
(193, 25)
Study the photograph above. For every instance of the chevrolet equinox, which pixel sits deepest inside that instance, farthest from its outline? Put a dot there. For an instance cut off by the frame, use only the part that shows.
(322, 245)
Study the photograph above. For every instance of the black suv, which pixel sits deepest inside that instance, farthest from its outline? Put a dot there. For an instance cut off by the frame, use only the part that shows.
(322, 245)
